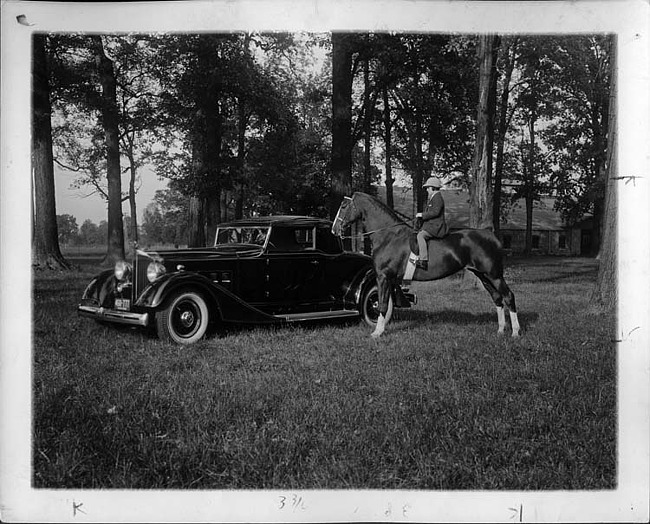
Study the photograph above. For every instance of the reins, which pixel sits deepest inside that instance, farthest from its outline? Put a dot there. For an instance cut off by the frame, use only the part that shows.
(368, 233)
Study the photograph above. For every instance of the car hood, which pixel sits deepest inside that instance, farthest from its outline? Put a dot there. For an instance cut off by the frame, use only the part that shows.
(226, 250)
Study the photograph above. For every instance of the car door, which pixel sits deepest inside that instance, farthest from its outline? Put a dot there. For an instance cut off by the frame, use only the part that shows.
(252, 280)
(336, 273)
(296, 270)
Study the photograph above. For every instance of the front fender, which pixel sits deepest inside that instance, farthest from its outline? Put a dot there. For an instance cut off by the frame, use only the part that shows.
(157, 292)
(230, 307)
(101, 289)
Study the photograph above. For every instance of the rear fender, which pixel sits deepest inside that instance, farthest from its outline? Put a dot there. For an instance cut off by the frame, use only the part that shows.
(369, 279)
(364, 281)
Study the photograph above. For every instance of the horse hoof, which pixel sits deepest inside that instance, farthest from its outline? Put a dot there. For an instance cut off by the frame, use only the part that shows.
(375, 334)
(516, 335)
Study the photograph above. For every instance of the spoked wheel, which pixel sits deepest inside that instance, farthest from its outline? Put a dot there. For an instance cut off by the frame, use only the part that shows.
(370, 306)
(184, 320)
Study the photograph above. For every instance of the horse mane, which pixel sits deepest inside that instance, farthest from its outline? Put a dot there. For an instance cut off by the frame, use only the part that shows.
(380, 205)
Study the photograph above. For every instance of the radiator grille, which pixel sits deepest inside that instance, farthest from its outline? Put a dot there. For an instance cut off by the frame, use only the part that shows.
(140, 281)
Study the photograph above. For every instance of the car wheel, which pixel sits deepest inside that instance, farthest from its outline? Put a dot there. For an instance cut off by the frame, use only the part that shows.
(370, 306)
(184, 320)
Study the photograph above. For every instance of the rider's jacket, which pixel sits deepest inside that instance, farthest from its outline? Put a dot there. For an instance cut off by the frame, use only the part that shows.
(433, 216)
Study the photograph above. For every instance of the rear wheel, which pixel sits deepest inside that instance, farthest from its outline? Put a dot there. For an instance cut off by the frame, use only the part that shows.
(185, 318)
(370, 306)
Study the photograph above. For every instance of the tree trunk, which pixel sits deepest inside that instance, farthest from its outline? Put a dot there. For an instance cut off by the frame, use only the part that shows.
(46, 253)
(240, 187)
(196, 230)
(418, 178)
(529, 183)
(600, 158)
(387, 146)
(132, 192)
(501, 136)
(605, 292)
(367, 130)
(110, 122)
(341, 120)
(528, 245)
(481, 180)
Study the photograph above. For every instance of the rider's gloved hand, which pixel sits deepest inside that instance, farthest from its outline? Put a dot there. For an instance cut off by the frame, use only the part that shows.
(418, 221)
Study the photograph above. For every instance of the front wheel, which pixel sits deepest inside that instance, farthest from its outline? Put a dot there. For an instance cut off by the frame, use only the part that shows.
(369, 306)
(184, 320)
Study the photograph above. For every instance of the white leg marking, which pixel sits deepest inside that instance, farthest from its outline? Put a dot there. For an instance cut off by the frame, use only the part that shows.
(501, 316)
(380, 327)
(515, 324)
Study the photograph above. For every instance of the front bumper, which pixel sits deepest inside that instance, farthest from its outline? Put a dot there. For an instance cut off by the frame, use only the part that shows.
(113, 315)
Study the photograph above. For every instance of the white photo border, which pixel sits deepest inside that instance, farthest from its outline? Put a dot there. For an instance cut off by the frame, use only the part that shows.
(629, 20)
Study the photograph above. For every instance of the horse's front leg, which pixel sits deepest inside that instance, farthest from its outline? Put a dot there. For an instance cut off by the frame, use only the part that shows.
(383, 290)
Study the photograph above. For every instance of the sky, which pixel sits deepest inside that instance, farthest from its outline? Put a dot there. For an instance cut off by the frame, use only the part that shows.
(82, 206)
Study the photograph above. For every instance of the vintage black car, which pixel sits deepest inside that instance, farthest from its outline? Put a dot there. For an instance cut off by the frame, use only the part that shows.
(259, 270)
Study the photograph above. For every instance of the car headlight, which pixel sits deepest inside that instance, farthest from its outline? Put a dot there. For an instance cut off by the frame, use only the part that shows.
(122, 270)
(154, 270)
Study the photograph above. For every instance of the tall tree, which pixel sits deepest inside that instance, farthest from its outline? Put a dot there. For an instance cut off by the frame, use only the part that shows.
(46, 252)
(509, 51)
(110, 123)
(581, 77)
(481, 181)
(605, 292)
(534, 109)
(136, 95)
(68, 229)
(341, 163)
(388, 148)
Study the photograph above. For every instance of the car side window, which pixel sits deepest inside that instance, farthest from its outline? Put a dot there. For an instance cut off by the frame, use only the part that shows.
(284, 239)
(327, 242)
(305, 237)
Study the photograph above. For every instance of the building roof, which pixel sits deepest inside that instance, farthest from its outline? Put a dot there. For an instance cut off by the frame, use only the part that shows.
(545, 218)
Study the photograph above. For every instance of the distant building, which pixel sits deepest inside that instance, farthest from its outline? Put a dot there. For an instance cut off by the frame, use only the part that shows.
(551, 235)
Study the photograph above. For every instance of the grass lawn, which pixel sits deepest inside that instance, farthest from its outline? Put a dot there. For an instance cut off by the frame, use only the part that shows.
(439, 402)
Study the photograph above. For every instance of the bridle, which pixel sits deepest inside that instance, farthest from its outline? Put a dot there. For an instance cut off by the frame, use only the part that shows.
(338, 219)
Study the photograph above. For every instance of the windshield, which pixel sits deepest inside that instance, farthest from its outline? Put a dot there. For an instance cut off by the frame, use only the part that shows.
(241, 235)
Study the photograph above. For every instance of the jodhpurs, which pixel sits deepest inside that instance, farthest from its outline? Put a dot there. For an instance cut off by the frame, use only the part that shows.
(423, 236)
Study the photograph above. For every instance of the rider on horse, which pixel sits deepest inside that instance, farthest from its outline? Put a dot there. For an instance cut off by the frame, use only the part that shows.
(431, 222)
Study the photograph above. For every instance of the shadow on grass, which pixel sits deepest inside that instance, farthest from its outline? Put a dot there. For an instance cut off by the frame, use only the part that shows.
(461, 318)
(403, 319)
(576, 276)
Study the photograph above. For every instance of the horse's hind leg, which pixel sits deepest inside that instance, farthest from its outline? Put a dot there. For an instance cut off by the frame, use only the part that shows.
(497, 298)
(509, 300)
(500, 293)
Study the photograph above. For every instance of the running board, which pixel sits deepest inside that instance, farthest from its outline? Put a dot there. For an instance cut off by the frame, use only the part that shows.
(312, 315)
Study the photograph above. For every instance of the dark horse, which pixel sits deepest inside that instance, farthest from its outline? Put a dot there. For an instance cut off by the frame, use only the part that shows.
(477, 250)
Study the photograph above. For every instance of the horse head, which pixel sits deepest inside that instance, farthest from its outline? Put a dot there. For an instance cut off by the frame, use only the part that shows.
(347, 214)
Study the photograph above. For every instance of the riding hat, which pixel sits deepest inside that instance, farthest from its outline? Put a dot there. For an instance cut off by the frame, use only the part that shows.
(433, 181)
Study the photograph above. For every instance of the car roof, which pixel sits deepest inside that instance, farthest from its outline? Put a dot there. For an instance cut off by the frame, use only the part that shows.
(277, 220)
